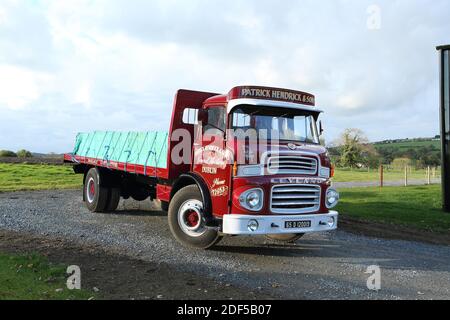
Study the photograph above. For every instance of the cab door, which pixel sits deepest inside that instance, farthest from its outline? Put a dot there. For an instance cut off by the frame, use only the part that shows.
(212, 159)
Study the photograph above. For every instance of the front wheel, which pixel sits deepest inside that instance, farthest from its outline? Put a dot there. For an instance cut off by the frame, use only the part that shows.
(285, 238)
(186, 220)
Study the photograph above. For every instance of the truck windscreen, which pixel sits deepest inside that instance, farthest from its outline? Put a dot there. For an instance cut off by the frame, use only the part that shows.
(288, 124)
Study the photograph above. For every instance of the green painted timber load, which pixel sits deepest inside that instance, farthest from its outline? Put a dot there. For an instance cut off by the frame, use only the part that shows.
(143, 148)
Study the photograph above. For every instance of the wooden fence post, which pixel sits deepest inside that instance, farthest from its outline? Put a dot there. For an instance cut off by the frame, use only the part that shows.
(381, 176)
(429, 175)
(406, 176)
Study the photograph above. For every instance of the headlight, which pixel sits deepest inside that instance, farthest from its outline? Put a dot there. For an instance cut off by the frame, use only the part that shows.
(252, 199)
(332, 198)
(253, 225)
(330, 222)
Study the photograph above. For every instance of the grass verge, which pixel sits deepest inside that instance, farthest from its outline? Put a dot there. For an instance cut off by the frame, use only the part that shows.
(414, 206)
(22, 177)
(34, 278)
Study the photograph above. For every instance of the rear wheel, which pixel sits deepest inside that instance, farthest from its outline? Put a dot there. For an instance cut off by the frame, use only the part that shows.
(186, 220)
(95, 195)
(286, 238)
(113, 199)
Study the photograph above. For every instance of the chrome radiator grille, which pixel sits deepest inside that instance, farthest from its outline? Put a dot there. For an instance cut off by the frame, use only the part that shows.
(291, 164)
(295, 199)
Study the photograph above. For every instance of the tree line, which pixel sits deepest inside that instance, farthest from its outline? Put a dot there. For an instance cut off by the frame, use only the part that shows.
(353, 150)
(19, 154)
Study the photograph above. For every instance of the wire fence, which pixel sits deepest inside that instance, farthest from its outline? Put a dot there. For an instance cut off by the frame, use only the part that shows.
(407, 175)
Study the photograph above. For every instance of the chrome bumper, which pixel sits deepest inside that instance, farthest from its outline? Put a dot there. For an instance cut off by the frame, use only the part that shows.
(234, 224)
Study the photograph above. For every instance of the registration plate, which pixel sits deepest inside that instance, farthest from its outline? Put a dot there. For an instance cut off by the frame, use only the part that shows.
(297, 224)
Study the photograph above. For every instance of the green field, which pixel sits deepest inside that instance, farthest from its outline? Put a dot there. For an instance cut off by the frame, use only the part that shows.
(19, 177)
(356, 175)
(414, 206)
(403, 146)
(34, 278)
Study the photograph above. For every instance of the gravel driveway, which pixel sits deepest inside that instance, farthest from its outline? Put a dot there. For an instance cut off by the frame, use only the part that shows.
(320, 266)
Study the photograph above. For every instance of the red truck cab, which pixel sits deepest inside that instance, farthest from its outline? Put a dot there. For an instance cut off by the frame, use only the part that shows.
(245, 163)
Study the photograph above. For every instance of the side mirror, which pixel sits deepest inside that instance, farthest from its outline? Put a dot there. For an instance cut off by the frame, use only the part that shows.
(320, 128)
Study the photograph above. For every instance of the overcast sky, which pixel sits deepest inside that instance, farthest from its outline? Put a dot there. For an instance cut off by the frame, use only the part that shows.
(70, 66)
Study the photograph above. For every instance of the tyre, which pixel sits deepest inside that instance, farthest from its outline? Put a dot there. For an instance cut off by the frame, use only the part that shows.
(285, 238)
(113, 199)
(164, 206)
(186, 220)
(95, 195)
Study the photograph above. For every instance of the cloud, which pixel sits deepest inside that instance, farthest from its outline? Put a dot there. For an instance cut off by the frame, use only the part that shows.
(20, 86)
(69, 66)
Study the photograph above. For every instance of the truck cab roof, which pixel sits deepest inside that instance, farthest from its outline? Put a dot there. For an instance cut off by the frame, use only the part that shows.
(264, 96)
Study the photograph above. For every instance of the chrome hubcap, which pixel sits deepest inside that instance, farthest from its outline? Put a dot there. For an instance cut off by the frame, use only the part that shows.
(190, 218)
(90, 190)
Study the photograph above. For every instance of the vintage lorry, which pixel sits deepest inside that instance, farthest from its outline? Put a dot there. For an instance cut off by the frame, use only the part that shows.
(214, 177)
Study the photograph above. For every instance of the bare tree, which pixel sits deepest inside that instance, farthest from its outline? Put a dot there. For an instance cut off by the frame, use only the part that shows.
(352, 145)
